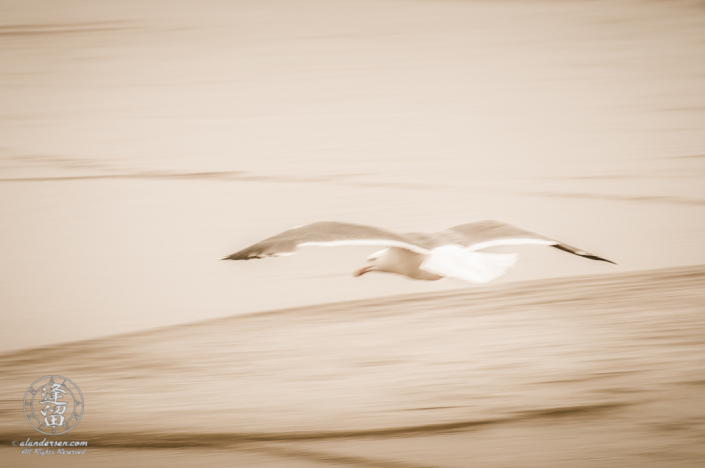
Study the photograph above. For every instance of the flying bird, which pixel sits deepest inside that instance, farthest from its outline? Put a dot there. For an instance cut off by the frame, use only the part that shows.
(453, 253)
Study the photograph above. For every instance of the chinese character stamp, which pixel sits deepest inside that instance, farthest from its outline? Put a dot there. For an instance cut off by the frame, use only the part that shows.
(53, 405)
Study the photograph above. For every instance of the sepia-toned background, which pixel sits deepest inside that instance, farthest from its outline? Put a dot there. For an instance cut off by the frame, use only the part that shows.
(140, 141)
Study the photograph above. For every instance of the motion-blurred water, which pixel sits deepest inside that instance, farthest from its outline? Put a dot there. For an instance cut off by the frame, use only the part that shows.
(141, 141)
(580, 372)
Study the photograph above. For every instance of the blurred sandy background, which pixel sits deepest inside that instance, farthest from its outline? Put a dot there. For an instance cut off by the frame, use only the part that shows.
(142, 140)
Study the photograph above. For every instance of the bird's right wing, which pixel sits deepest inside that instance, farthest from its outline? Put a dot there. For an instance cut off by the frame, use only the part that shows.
(484, 234)
(326, 234)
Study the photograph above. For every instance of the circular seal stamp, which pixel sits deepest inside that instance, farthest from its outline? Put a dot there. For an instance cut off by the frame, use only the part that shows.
(53, 405)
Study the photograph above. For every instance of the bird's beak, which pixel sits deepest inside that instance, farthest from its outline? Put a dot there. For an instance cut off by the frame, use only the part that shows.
(362, 270)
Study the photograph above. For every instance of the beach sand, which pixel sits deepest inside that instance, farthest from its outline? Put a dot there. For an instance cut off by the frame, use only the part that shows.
(580, 372)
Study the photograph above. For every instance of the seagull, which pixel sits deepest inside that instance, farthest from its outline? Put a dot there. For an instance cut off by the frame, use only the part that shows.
(453, 253)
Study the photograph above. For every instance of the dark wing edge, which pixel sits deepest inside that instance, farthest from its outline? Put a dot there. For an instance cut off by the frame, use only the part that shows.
(264, 249)
(574, 251)
(282, 244)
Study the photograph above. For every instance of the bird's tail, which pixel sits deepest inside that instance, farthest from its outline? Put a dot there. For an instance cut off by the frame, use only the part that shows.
(458, 262)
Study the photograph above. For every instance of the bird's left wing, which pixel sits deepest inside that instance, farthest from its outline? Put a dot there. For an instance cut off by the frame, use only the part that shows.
(326, 234)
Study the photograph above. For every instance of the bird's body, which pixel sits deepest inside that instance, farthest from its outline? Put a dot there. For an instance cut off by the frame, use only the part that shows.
(450, 253)
(399, 261)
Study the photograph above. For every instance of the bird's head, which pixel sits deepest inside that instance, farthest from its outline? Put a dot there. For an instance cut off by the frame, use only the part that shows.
(372, 263)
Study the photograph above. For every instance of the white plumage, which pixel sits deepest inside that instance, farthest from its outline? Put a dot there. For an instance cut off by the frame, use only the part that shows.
(451, 253)
(468, 265)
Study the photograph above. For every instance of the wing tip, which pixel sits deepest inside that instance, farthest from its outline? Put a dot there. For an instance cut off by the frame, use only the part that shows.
(600, 259)
(580, 253)
(239, 256)
(233, 257)
(247, 256)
